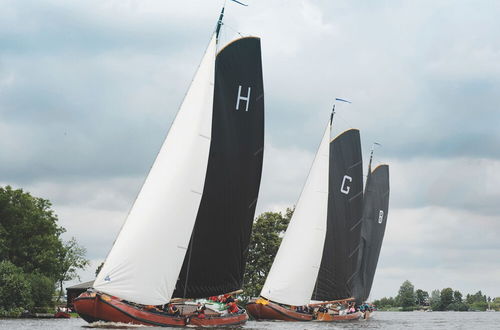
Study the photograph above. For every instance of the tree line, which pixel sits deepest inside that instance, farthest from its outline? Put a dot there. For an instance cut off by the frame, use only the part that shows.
(447, 299)
(34, 259)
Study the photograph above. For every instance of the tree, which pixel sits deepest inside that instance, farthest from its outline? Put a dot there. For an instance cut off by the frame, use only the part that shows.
(267, 233)
(458, 304)
(29, 234)
(30, 240)
(385, 303)
(14, 288)
(435, 300)
(446, 298)
(406, 296)
(71, 259)
(422, 297)
(495, 304)
(477, 301)
(41, 289)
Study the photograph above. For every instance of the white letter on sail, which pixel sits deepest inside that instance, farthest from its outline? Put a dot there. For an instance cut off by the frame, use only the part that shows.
(380, 216)
(244, 98)
(345, 189)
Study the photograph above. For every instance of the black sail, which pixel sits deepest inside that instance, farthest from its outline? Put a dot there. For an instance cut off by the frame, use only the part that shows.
(215, 260)
(345, 202)
(375, 210)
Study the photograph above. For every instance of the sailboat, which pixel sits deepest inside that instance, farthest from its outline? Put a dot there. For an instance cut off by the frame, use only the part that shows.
(375, 211)
(318, 256)
(188, 231)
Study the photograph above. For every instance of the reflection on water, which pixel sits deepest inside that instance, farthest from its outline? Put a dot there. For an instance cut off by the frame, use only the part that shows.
(381, 320)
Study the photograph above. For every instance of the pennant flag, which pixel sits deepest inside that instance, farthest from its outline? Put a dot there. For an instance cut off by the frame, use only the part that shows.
(342, 100)
(241, 3)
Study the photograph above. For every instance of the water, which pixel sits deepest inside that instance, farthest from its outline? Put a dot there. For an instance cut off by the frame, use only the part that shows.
(381, 320)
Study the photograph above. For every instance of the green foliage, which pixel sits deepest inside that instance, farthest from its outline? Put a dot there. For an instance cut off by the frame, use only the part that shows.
(29, 234)
(41, 289)
(14, 288)
(34, 255)
(435, 300)
(422, 297)
(406, 296)
(446, 298)
(385, 303)
(70, 258)
(477, 297)
(495, 304)
(267, 233)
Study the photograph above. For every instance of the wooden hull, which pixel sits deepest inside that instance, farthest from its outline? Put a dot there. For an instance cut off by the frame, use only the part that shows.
(325, 317)
(94, 307)
(272, 311)
(62, 315)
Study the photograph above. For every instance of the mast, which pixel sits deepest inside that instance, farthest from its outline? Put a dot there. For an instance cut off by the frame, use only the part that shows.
(219, 24)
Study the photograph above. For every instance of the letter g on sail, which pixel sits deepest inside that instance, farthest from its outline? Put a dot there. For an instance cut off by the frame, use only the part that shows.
(344, 188)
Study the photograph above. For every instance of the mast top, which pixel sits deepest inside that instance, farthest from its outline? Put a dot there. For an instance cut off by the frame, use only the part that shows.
(331, 115)
(219, 24)
(371, 154)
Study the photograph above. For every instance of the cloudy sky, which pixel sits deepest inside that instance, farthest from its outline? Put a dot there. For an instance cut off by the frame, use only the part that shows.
(89, 88)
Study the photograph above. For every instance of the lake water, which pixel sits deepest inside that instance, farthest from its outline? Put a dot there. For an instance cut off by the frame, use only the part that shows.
(380, 320)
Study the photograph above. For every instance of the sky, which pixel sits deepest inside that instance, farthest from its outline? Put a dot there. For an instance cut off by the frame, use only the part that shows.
(88, 90)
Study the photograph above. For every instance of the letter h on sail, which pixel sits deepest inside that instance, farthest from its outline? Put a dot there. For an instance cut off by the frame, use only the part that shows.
(244, 98)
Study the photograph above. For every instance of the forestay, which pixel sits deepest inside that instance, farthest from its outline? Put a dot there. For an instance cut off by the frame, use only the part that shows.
(293, 274)
(144, 263)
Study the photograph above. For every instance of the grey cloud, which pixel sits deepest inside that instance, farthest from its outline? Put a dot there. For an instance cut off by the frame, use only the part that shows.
(88, 91)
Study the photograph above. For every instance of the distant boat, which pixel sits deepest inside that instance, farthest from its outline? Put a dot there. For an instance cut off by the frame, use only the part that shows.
(318, 256)
(375, 211)
(188, 232)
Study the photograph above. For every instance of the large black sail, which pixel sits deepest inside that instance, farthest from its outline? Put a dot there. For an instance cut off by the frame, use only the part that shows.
(215, 260)
(375, 209)
(345, 201)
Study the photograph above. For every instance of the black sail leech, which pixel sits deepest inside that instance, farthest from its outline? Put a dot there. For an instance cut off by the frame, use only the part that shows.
(375, 210)
(215, 261)
(345, 198)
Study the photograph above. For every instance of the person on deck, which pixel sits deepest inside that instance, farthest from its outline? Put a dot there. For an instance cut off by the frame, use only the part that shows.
(232, 307)
(173, 310)
(200, 311)
(351, 309)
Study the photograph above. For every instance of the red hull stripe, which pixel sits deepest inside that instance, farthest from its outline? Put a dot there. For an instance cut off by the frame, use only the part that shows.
(127, 313)
(209, 321)
(286, 314)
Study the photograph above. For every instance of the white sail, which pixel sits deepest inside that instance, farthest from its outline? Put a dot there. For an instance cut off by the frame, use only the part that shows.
(293, 274)
(145, 261)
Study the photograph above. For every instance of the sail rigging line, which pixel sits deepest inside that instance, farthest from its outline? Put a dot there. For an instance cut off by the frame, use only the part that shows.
(189, 260)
